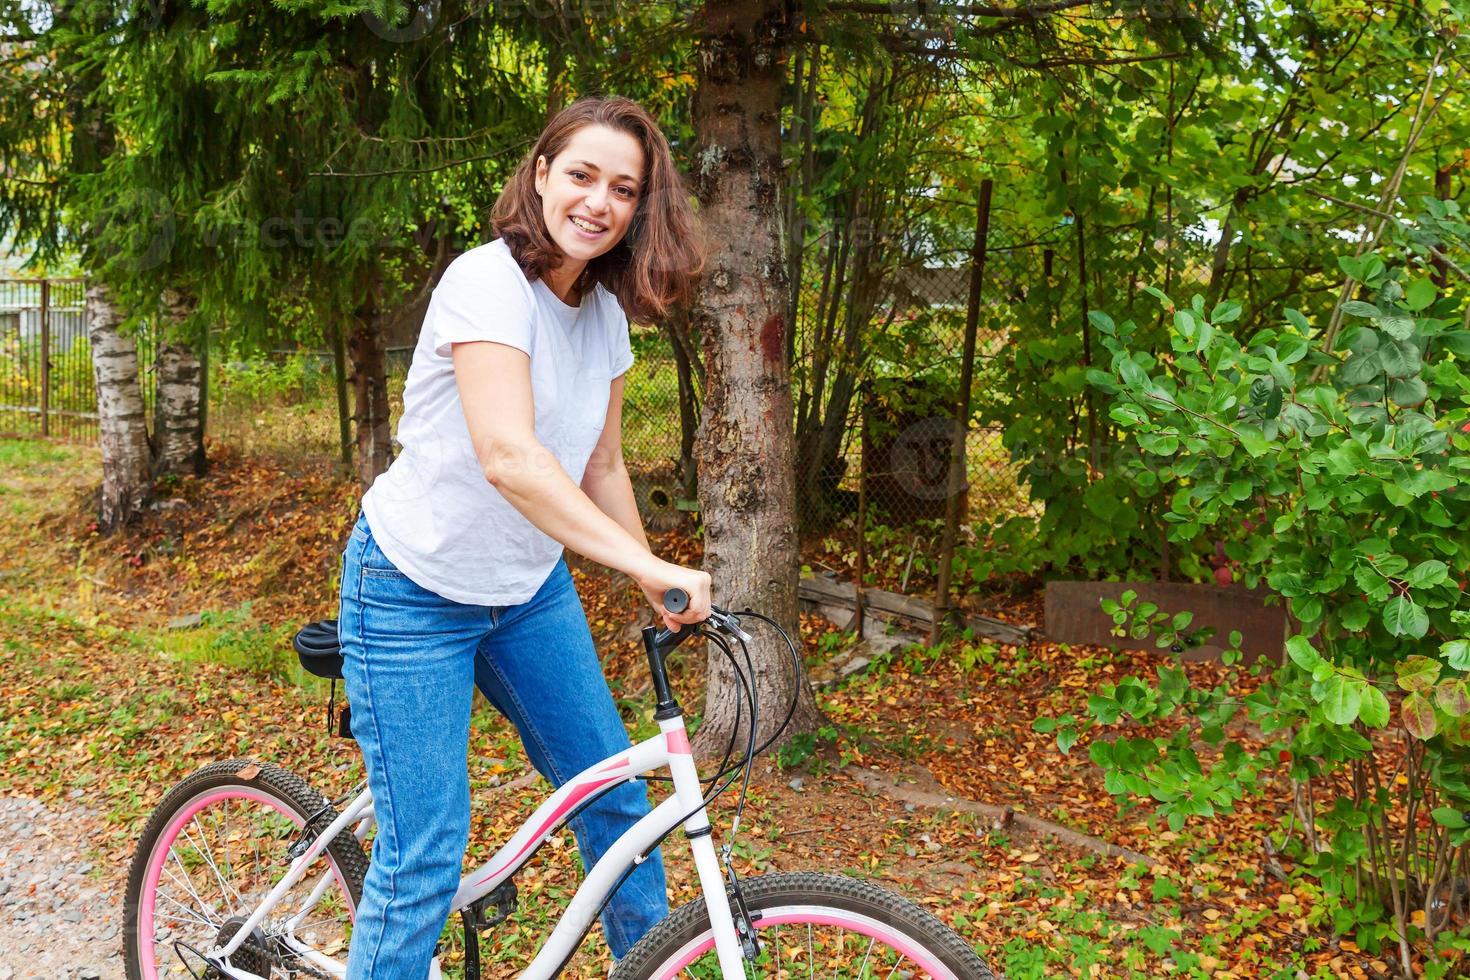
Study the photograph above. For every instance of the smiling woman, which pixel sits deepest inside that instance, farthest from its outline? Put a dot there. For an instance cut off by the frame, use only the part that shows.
(454, 578)
(603, 163)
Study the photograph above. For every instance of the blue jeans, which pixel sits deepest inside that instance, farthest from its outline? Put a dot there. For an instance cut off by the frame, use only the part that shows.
(411, 660)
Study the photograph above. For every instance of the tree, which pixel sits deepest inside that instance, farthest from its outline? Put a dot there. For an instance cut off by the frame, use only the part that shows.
(178, 427)
(746, 456)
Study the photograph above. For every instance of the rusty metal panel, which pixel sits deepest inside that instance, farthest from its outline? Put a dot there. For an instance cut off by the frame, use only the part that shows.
(1074, 615)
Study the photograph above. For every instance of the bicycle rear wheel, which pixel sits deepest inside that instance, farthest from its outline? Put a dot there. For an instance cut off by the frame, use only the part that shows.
(811, 925)
(211, 852)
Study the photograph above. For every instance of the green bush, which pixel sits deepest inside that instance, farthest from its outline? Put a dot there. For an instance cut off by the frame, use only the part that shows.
(1337, 474)
(297, 377)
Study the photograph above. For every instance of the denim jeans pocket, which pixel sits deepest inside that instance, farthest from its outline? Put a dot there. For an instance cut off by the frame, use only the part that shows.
(376, 564)
(372, 561)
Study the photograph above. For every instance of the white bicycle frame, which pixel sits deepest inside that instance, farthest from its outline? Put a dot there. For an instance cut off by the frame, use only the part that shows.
(669, 749)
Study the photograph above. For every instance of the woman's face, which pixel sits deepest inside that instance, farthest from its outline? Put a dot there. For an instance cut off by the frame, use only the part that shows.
(590, 192)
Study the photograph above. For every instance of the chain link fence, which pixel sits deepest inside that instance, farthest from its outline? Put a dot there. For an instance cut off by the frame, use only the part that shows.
(875, 405)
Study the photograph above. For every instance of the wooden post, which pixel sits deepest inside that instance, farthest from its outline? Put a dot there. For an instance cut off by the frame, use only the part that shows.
(862, 517)
(45, 357)
(942, 605)
(203, 382)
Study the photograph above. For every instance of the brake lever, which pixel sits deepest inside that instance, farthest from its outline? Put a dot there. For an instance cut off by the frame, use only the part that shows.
(730, 623)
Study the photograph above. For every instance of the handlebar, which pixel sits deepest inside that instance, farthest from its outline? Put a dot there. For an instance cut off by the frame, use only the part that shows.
(676, 601)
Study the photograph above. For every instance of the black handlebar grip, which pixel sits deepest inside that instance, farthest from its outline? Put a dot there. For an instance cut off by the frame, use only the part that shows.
(676, 600)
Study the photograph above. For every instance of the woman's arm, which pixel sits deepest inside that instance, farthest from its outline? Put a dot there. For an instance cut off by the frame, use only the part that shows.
(606, 481)
(494, 382)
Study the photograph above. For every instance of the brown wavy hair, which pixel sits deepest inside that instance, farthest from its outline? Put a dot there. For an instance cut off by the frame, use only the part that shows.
(655, 266)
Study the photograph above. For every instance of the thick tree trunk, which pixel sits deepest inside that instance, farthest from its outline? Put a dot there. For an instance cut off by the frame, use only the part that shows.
(746, 453)
(178, 425)
(121, 420)
(370, 395)
(686, 365)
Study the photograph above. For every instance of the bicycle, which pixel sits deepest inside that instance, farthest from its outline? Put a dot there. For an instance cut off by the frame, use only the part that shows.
(206, 895)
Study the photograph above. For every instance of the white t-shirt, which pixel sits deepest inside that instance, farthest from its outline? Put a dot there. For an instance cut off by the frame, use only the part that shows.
(433, 513)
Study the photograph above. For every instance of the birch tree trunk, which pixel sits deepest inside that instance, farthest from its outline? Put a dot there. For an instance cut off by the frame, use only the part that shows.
(746, 454)
(121, 421)
(178, 424)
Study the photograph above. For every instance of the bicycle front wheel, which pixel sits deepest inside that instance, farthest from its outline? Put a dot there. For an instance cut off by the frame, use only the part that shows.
(213, 849)
(811, 925)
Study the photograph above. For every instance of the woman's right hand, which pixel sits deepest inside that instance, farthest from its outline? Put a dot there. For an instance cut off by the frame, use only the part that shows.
(695, 583)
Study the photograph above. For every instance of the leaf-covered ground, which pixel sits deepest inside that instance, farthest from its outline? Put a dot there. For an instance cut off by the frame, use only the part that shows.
(131, 660)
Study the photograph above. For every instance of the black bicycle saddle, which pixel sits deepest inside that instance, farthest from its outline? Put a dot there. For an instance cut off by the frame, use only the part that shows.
(317, 648)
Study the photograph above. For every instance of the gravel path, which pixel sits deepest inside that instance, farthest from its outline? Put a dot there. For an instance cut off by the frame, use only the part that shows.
(57, 920)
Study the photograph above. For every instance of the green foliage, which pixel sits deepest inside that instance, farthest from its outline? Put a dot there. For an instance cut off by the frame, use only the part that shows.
(1336, 472)
(298, 376)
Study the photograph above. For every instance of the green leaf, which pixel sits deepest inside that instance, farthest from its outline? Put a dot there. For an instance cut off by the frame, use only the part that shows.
(1295, 318)
(1302, 653)
(1354, 616)
(1355, 307)
(1456, 653)
(1359, 369)
(1448, 816)
(1341, 700)
(1404, 617)
(1397, 327)
(1161, 444)
(1420, 294)
(1158, 294)
(1225, 312)
(1419, 716)
(1400, 359)
(1375, 707)
(1416, 673)
(1102, 322)
(1255, 444)
(1457, 342)
(1307, 608)
(1066, 738)
(1427, 573)
(1127, 414)
(1408, 392)
(1184, 324)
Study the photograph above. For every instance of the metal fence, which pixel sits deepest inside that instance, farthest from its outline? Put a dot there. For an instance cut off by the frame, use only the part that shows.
(895, 429)
(46, 385)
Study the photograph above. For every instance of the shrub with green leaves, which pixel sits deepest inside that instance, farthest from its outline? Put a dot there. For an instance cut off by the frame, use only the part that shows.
(1336, 472)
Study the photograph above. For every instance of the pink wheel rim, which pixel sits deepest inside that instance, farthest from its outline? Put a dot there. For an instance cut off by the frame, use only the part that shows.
(147, 962)
(853, 922)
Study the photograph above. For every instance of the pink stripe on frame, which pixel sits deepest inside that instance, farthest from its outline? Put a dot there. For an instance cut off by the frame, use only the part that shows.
(570, 803)
(678, 742)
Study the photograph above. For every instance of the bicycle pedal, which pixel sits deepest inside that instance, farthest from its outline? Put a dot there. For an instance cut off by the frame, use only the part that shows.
(502, 902)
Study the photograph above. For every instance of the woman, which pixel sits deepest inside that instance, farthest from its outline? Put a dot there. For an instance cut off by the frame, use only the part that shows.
(453, 575)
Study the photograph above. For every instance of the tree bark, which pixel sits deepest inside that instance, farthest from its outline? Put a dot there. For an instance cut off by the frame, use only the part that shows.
(122, 422)
(178, 425)
(746, 452)
(370, 394)
(676, 326)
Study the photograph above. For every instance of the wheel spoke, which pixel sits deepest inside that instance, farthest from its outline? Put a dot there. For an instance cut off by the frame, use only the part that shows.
(225, 888)
(188, 883)
(869, 952)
